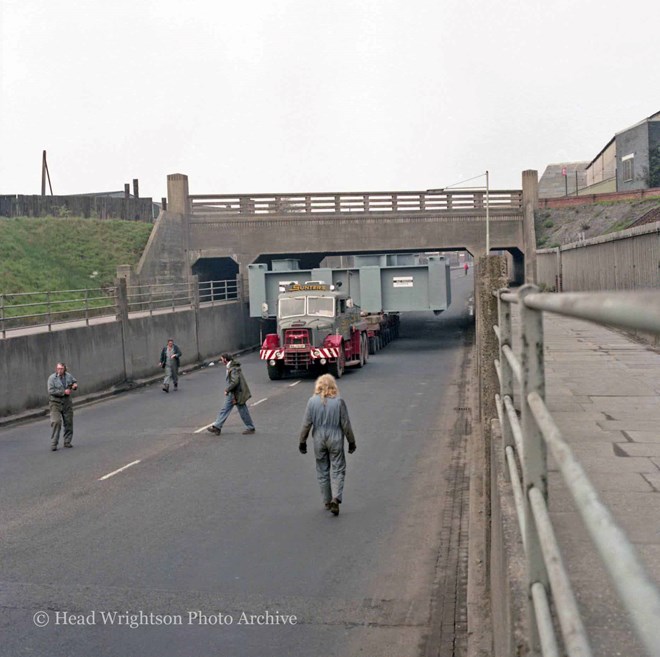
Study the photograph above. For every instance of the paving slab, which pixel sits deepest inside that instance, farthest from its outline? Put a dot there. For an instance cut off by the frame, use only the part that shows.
(640, 449)
(644, 436)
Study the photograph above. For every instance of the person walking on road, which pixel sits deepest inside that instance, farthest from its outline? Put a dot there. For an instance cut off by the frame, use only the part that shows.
(466, 267)
(237, 393)
(60, 386)
(327, 415)
(169, 361)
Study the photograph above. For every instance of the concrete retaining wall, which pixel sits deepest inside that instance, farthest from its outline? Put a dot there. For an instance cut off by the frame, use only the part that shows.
(110, 354)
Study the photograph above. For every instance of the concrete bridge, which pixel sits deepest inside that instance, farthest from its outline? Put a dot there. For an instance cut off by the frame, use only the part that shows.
(216, 236)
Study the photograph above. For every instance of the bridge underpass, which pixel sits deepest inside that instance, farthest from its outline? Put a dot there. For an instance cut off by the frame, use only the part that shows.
(259, 227)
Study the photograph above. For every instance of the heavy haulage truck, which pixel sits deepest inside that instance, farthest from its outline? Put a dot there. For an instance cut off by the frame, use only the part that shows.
(318, 328)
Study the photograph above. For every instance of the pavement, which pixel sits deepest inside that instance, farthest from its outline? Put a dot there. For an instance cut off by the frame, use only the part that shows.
(603, 390)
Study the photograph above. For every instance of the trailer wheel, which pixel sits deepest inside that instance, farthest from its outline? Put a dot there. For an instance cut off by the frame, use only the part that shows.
(337, 368)
(274, 372)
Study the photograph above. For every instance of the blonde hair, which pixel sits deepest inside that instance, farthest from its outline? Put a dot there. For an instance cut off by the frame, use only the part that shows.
(326, 386)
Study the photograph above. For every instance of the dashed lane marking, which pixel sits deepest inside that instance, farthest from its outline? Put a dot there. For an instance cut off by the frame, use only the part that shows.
(295, 383)
(112, 474)
(202, 428)
(259, 402)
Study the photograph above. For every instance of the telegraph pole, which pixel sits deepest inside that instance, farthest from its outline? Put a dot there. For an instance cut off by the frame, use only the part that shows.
(45, 174)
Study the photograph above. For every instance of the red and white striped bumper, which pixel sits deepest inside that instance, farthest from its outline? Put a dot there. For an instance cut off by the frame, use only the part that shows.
(271, 354)
(278, 354)
(325, 352)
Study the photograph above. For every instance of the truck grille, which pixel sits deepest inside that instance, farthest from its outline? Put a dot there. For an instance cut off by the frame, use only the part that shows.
(296, 338)
(297, 348)
(297, 360)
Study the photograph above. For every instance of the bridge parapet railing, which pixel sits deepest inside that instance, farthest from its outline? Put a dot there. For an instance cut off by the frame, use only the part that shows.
(56, 307)
(528, 436)
(339, 203)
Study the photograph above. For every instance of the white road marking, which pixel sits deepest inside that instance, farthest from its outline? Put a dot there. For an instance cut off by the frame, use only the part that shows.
(202, 429)
(294, 384)
(112, 474)
(259, 402)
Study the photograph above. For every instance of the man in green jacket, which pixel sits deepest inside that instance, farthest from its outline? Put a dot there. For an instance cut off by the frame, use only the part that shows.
(237, 394)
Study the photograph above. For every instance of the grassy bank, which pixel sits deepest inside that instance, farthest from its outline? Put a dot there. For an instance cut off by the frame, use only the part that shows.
(65, 253)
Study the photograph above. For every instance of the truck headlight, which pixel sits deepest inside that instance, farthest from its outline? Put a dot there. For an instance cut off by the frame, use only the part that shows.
(323, 361)
(272, 362)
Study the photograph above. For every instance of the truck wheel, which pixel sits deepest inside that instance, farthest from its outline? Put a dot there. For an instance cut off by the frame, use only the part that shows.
(274, 372)
(337, 368)
(365, 348)
(362, 357)
(372, 345)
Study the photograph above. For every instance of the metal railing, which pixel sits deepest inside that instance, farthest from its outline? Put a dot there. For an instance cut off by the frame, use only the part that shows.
(50, 308)
(331, 203)
(25, 309)
(214, 291)
(526, 439)
(163, 296)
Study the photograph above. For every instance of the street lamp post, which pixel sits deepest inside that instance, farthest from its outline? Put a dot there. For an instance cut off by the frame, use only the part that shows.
(487, 216)
(454, 186)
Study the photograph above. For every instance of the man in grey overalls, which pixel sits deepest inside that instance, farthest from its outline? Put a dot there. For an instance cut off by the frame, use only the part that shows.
(60, 386)
(327, 413)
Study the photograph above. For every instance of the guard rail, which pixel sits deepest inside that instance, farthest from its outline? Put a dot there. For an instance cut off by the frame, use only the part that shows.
(527, 436)
(47, 309)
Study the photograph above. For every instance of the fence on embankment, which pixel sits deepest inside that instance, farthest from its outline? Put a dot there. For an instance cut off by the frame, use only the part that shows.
(626, 260)
(127, 207)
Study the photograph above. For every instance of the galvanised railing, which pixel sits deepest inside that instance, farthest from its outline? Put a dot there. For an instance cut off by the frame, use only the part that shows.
(50, 308)
(176, 295)
(525, 441)
(336, 203)
(24, 309)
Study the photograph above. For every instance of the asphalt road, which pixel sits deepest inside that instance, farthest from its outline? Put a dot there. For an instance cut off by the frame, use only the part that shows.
(202, 537)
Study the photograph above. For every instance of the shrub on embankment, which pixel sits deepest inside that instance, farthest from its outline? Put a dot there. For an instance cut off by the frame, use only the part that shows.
(568, 224)
(65, 253)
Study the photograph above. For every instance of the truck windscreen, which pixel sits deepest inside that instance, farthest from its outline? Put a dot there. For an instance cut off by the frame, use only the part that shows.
(321, 306)
(292, 307)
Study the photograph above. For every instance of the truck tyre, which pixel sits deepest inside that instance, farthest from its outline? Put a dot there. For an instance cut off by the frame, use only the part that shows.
(365, 348)
(362, 355)
(337, 368)
(274, 372)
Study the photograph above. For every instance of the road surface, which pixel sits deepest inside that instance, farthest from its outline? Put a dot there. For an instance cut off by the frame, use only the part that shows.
(219, 546)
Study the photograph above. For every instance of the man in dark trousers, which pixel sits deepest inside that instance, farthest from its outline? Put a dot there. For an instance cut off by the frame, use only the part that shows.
(60, 386)
(169, 361)
(237, 394)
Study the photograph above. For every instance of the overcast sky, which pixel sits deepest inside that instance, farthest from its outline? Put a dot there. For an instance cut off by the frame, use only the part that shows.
(315, 95)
